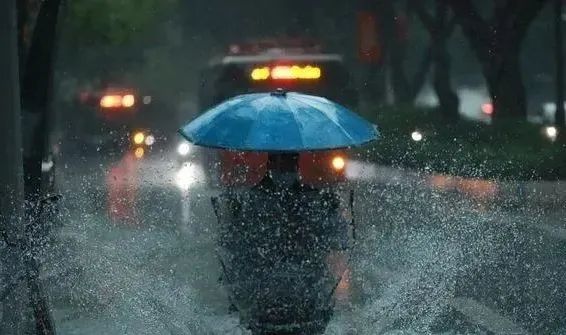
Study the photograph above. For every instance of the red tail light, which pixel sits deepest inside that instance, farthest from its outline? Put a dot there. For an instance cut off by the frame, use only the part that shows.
(338, 163)
(487, 108)
(117, 101)
(286, 72)
(111, 101)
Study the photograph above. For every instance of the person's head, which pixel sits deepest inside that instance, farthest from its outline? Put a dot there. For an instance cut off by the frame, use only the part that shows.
(283, 168)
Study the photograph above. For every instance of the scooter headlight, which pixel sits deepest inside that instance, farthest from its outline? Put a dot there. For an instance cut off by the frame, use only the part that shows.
(149, 140)
(139, 137)
(183, 149)
(417, 136)
(338, 163)
(551, 132)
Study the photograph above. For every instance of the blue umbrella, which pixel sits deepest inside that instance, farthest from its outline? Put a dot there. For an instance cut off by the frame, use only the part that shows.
(279, 122)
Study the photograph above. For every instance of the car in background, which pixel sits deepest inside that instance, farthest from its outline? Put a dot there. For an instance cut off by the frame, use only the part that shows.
(115, 119)
(265, 65)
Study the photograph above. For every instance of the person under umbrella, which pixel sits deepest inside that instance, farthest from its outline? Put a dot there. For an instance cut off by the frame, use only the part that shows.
(276, 237)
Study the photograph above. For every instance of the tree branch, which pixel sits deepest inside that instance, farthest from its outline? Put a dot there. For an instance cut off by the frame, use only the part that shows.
(468, 16)
(475, 27)
(426, 19)
(525, 13)
(501, 14)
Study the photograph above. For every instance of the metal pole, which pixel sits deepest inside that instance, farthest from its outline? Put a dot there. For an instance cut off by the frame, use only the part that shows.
(14, 304)
(35, 98)
(559, 56)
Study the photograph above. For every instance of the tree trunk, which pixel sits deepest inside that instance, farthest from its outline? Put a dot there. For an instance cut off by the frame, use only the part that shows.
(559, 56)
(505, 85)
(399, 81)
(395, 50)
(440, 30)
(496, 43)
(36, 102)
(420, 77)
(447, 98)
(14, 304)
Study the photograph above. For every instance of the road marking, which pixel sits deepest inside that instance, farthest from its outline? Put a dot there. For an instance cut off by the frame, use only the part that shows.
(486, 317)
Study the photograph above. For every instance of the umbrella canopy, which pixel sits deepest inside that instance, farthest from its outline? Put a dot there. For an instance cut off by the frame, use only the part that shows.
(279, 122)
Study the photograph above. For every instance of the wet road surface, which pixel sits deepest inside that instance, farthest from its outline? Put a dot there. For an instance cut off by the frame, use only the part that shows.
(134, 255)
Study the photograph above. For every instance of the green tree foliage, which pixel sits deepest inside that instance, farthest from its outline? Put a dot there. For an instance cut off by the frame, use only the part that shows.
(113, 22)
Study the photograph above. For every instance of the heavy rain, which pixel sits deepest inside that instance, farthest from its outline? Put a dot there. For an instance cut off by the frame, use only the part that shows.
(282, 167)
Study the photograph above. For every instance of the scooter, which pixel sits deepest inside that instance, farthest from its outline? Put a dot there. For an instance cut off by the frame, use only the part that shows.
(275, 241)
(275, 248)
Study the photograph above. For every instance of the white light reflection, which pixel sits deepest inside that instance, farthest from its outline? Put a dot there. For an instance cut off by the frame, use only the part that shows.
(551, 132)
(417, 136)
(184, 149)
(188, 175)
(149, 140)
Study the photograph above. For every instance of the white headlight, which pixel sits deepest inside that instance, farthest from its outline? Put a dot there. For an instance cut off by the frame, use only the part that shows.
(149, 140)
(417, 136)
(183, 149)
(551, 132)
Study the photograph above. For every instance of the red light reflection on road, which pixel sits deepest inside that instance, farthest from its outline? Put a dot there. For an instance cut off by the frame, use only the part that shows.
(121, 186)
(338, 264)
(475, 188)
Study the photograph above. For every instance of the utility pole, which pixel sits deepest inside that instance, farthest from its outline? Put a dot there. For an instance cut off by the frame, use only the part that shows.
(23, 303)
(14, 303)
(35, 96)
(559, 57)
